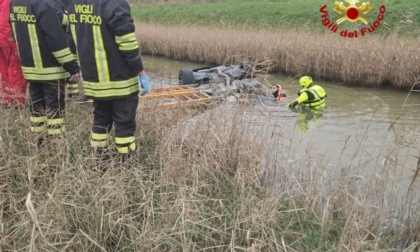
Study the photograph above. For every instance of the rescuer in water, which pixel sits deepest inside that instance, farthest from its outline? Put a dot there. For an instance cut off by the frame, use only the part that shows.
(310, 96)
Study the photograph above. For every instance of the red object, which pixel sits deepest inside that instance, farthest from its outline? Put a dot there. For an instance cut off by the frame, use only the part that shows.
(13, 85)
(6, 37)
(353, 13)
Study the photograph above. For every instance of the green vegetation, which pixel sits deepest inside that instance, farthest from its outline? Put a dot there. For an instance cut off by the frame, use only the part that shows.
(290, 34)
(401, 15)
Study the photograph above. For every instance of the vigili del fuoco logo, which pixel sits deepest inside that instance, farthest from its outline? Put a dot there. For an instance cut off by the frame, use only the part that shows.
(353, 12)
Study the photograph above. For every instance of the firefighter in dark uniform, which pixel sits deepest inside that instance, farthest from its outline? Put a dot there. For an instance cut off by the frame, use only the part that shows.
(61, 8)
(46, 62)
(109, 56)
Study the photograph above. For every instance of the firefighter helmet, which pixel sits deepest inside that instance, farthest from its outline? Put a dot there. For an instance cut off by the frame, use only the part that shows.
(305, 81)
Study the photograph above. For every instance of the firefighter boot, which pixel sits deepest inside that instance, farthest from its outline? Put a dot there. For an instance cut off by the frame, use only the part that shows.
(130, 160)
(102, 160)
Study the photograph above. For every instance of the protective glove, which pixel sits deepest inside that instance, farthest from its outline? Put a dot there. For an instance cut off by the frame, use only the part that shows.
(292, 104)
(144, 84)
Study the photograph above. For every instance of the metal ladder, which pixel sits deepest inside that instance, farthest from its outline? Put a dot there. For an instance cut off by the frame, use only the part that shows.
(173, 97)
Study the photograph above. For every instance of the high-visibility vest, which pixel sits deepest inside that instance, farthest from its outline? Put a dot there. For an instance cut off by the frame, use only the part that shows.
(312, 97)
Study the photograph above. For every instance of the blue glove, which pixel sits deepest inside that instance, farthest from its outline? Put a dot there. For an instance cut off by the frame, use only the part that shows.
(144, 84)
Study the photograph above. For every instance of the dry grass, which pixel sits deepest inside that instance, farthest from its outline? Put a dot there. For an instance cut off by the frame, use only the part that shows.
(371, 61)
(206, 181)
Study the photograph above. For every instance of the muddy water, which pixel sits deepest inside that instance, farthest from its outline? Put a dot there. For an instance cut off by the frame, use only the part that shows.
(368, 128)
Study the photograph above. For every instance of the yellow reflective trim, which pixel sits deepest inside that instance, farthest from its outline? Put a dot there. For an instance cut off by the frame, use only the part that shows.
(77, 58)
(126, 38)
(65, 59)
(113, 88)
(56, 121)
(64, 56)
(123, 150)
(111, 92)
(36, 52)
(72, 86)
(99, 137)
(61, 53)
(74, 36)
(124, 140)
(73, 33)
(65, 20)
(126, 149)
(127, 42)
(129, 46)
(55, 131)
(38, 119)
(100, 55)
(46, 70)
(38, 129)
(45, 77)
(99, 140)
(111, 84)
(98, 143)
(49, 73)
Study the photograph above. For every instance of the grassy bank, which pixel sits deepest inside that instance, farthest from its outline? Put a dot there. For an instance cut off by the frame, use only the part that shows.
(400, 16)
(203, 184)
(373, 61)
(289, 34)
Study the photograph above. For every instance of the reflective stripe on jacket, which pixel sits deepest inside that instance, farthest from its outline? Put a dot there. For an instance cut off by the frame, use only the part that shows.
(312, 97)
(41, 40)
(108, 51)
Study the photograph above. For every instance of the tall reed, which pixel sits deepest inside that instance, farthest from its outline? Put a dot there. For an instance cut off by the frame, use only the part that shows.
(212, 179)
(367, 61)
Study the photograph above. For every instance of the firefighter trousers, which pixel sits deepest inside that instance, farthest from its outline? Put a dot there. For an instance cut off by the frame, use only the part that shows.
(13, 85)
(120, 113)
(47, 106)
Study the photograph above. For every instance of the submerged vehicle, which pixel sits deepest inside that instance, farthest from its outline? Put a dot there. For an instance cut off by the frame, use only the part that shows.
(206, 84)
(216, 74)
(224, 79)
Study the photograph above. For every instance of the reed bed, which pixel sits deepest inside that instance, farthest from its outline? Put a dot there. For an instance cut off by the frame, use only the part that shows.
(208, 180)
(368, 61)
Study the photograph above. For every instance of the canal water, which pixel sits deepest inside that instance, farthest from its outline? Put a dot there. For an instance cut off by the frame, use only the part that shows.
(367, 128)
